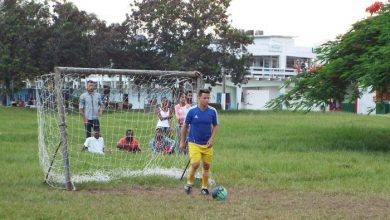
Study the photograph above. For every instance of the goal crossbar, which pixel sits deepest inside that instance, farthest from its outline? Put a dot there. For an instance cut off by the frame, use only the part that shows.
(105, 71)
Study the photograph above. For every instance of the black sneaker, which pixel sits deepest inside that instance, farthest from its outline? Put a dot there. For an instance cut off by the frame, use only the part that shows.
(188, 188)
(205, 192)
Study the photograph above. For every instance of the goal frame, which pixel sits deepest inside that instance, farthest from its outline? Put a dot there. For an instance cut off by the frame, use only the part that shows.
(58, 74)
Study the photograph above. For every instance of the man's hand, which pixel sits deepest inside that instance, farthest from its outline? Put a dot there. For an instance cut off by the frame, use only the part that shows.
(209, 143)
(182, 146)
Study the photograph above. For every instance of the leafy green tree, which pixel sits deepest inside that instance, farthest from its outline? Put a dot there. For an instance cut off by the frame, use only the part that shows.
(354, 62)
(70, 33)
(192, 35)
(23, 25)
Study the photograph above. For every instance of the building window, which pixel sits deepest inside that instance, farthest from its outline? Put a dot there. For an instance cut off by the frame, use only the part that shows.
(266, 61)
(258, 61)
(294, 62)
(275, 62)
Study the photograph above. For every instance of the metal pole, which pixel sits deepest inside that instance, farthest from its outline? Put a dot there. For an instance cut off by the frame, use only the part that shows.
(52, 161)
(63, 133)
(185, 169)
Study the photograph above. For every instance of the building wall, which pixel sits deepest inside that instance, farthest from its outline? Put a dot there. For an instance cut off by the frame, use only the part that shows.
(264, 84)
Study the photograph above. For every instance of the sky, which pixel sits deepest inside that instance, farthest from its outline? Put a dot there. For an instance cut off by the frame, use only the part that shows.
(311, 22)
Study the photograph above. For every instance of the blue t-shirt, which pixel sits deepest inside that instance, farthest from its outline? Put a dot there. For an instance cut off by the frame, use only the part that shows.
(201, 123)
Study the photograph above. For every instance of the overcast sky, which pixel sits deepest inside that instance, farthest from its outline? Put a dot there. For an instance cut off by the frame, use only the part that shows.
(312, 22)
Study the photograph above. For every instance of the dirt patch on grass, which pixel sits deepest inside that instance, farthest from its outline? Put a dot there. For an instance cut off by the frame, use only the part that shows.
(249, 203)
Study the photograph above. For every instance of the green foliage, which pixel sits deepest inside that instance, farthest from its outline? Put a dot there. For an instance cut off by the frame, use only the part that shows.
(192, 35)
(196, 35)
(352, 63)
(22, 26)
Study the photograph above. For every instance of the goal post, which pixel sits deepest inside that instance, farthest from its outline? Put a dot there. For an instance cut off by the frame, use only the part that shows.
(131, 99)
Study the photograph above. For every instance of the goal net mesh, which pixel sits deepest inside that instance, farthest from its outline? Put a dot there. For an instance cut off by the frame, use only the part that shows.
(130, 99)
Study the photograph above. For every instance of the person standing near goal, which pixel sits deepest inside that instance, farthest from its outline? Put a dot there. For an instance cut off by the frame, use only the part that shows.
(181, 110)
(164, 115)
(91, 108)
(203, 120)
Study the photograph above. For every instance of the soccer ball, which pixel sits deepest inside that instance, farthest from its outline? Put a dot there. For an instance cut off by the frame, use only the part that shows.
(219, 193)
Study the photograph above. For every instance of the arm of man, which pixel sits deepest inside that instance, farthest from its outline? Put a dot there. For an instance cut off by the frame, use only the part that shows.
(82, 108)
(213, 133)
(120, 144)
(136, 146)
(83, 115)
(183, 136)
(101, 109)
(85, 146)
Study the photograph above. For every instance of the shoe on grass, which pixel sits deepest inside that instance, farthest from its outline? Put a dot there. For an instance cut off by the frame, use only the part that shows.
(188, 188)
(205, 192)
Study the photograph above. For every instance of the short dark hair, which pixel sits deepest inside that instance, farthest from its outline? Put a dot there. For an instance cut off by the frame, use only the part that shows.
(129, 130)
(90, 81)
(201, 91)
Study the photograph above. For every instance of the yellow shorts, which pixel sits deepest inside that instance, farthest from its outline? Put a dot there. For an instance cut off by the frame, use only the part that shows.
(198, 152)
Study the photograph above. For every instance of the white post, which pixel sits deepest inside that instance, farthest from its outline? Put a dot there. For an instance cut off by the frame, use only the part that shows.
(223, 95)
(238, 96)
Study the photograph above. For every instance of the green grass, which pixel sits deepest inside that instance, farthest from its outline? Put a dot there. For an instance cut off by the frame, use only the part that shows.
(275, 165)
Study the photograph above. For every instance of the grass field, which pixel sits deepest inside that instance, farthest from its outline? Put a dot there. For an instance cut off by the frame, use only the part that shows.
(276, 165)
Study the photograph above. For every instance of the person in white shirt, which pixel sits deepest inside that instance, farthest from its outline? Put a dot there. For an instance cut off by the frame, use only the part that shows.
(94, 144)
(164, 115)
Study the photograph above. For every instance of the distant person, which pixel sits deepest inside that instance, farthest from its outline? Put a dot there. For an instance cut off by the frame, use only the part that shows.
(91, 108)
(181, 110)
(14, 103)
(94, 144)
(152, 104)
(153, 101)
(21, 104)
(303, 66)
(30, 102)
(164, 115)
(162, 144)
(189, 97)
(129, 143)
(203, 120)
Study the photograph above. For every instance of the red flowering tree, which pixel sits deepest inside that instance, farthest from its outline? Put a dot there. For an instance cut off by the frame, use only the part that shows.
(354, 61)
(374, 7)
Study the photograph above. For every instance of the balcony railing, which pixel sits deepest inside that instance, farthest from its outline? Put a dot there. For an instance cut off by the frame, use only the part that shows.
(271, 73)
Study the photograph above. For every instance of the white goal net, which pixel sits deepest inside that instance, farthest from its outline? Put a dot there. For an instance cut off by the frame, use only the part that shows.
(130, 99)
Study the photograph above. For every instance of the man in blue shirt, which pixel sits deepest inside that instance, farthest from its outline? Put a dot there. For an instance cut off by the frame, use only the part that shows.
(203, 122)
(90, 108)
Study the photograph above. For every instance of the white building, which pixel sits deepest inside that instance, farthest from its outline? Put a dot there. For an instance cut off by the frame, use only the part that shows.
(276, 58)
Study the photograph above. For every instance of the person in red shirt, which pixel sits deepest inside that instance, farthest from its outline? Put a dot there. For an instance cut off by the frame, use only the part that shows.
(129, 143)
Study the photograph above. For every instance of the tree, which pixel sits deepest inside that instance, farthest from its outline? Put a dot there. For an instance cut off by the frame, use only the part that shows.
(192, 35)
(22, 25)
(69, 43)
(354, 62)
